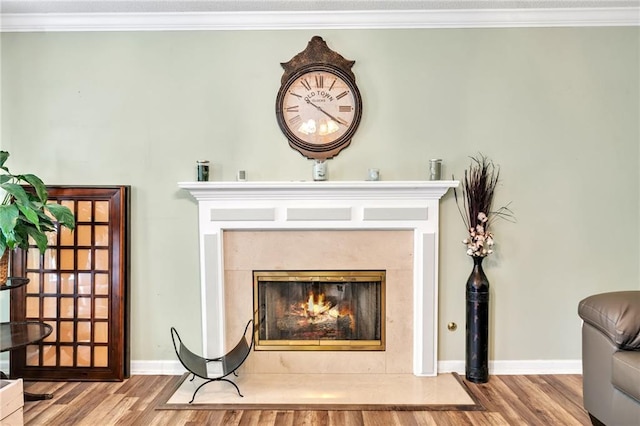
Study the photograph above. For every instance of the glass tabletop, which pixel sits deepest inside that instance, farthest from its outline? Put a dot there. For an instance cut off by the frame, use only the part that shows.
(14, 282)
(14, 335)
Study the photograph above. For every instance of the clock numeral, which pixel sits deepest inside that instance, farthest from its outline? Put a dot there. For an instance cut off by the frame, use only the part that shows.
(305, 83)
(293, 108)
(344, 108)
(294, 121)
(342, 95)
(319, 81)
(295, 94)
(332, 83)
(341, 121)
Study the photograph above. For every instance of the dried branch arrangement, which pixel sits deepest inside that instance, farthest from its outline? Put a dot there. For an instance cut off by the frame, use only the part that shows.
(476, 205)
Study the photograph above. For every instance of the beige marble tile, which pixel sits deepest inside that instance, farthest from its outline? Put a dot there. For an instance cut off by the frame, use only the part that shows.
(316, 249)
(246, 251)
(399, 321)
(238, 297)
(329, 389)
(300, 362)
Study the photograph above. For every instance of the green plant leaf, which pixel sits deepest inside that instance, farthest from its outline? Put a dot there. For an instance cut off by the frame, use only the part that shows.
(31, 215)
(8, 221)
(22, 235)
(39, 237)
(5, 178)
(36, 182)
(3, 246)
(17, 192)
(46, 222)
(8, 218)
(3, 157)
(62, 215)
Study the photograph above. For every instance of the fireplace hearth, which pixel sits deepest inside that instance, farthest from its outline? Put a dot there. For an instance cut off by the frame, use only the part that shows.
(319, 310)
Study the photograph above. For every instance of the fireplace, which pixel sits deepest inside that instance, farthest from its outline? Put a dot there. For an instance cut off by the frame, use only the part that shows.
(390, 226)
(319, 310)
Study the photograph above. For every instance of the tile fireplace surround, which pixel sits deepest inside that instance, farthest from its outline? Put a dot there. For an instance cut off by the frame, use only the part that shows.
(384, 225)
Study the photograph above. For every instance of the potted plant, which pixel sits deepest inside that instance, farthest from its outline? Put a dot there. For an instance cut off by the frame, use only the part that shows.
(25, 213)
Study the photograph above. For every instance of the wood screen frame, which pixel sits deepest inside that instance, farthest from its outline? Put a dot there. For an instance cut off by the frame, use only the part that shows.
(118, 356)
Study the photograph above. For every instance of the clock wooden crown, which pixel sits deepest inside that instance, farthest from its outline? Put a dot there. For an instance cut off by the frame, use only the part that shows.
(317, 52)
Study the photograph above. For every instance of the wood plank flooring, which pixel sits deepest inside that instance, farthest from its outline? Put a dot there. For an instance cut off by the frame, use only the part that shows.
(509, 400)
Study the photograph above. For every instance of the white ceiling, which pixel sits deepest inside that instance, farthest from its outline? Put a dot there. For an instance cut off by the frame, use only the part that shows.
(168, 6)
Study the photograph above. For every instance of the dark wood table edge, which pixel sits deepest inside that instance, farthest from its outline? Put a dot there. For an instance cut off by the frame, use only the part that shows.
(9, 285)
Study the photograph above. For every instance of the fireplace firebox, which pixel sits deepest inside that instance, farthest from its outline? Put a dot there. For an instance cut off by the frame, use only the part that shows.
(319, 310)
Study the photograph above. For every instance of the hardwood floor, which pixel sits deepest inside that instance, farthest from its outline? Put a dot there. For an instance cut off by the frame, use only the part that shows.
(508, 400)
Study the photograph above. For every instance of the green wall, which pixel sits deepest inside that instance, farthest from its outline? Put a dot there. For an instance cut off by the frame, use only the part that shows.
(557, 109)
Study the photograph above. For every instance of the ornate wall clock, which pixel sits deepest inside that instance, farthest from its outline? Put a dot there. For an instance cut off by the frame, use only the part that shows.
(318, 106)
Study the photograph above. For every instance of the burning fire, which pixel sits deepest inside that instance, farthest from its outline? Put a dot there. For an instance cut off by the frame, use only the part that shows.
(318, 317)
(320, 311)
(317, 306)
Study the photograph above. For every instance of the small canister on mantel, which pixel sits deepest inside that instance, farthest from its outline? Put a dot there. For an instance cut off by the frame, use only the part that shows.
(202, 170)
(319, 170)
(435, 169)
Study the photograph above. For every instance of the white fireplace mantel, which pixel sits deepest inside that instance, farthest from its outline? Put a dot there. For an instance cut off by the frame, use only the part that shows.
(328, 205)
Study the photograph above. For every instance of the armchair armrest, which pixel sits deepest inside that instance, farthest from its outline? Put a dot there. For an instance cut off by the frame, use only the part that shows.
(617, 315)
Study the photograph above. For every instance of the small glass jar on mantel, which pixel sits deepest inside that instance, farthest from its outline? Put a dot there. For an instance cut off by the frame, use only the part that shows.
(319, 170)
(202, 170)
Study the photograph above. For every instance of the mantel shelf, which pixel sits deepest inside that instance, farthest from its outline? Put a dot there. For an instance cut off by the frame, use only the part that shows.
(320, 190)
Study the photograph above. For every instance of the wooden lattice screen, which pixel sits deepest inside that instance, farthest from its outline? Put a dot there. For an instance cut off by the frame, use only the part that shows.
(79, 287)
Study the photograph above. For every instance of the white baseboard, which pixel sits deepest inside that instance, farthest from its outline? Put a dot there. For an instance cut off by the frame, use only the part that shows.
(163, 368)
(174, 368)
(138, 368)
(519, 367)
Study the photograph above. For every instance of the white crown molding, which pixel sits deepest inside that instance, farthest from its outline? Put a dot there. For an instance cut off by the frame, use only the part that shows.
(371, 19)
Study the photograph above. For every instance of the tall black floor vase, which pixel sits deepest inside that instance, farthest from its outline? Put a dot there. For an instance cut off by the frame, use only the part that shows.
(477, 343)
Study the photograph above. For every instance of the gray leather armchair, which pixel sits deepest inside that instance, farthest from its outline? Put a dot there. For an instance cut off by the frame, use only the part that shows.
(611, 357)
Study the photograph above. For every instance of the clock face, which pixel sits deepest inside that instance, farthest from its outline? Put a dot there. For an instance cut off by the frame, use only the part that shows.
(319, 109)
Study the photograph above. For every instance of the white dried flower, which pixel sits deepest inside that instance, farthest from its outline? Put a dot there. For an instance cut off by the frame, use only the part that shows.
(480, 241)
